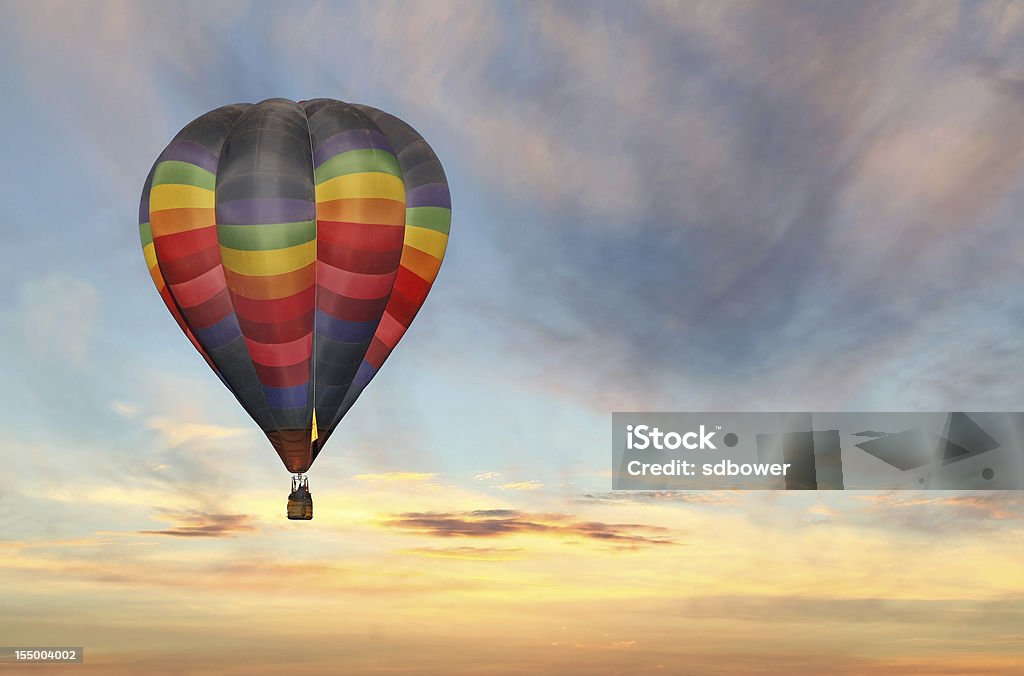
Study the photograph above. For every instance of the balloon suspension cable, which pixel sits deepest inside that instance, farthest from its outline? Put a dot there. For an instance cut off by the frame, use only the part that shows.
(299, 480)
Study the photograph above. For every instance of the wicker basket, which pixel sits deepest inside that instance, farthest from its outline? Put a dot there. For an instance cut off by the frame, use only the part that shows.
(300, 510)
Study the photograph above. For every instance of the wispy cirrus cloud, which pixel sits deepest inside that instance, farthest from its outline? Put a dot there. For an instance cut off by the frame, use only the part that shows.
(396, 476)
(531, 485)
(179, 432)
(491, 523)
(196, 524)
(949, 514)
(468, 553)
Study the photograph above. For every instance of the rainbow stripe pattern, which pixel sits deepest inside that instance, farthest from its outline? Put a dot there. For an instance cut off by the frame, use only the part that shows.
(294, 243)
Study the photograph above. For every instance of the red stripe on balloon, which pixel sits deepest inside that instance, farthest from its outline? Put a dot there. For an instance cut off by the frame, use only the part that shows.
(276, 309)
(353, 284)
(189, 267)
(358, 260)
(408, 295)
(208, 312)
(281, 354)
(390, 330)
(277, 332)
(349, 309)
(168, 299)
(366, 236)
(377, 353)
(201, 288)
(181, 244)
(283, 376)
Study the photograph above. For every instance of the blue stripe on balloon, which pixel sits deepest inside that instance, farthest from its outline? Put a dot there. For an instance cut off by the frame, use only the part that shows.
(350, 139)
(286, 397)
(363, 376)
(219, 334)
(428, 195)
(344, 331)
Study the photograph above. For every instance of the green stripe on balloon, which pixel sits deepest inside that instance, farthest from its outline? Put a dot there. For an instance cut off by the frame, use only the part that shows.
(183, 173)
(433, 218)
(267, 236)
(355, 162)
(145, 234)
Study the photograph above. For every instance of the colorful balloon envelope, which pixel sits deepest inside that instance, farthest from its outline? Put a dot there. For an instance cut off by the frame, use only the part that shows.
(294, 243)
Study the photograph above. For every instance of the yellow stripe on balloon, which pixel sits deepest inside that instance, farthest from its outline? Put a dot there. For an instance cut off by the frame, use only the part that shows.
(372, 184)
(426, 240)
(176, 196)
(273, 262)
(149, 251)
(154, 268)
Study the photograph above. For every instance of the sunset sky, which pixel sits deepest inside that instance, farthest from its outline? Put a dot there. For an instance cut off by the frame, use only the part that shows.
(707, 206)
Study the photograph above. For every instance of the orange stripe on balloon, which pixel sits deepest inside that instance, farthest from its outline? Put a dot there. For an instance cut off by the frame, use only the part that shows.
(158, 278)
(422, 264)
(271, 286)
(362, 210)
(171, 221)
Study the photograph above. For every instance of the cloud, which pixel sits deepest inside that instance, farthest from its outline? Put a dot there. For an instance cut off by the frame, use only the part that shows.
(522, 486)
(819, 235)
(124, 409)
(931, 512)
(468, 553)
(484, 476)
(690, 497)
(505, 522)
(396, 476)
(177, 433)
(196, 524)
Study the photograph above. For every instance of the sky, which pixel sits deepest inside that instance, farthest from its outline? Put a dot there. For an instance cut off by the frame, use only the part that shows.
(698, 206)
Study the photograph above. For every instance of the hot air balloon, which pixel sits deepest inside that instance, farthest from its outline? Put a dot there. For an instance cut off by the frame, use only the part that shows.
(294, 243)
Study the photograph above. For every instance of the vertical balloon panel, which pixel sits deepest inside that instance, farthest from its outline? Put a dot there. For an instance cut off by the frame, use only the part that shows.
(266, 226)
(360, 229)
(427, 225)
(183, 226)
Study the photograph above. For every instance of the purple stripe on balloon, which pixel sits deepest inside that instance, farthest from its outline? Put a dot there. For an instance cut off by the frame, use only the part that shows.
(429, 195)
(144, 206)
(219, 334)
(351, 139)
(191, 152)
(144, 202)
(342, 330)
(285, 397)
(363, 377)
(259, 210)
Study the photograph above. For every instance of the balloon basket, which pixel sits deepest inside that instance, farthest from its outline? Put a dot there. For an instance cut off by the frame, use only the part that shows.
(300, 500)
